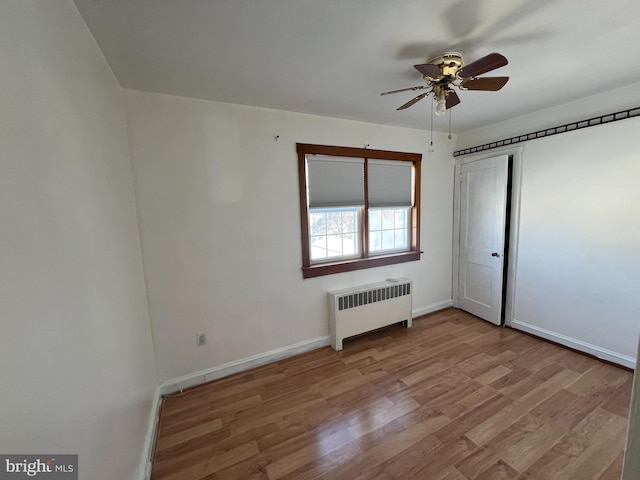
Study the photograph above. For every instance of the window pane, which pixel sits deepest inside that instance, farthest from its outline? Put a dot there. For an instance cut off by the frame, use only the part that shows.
(350, 244)
(375, 241)
(389, 230)
(334, 246)
(318, 247)
(375, 221)
(388, 240)
(334, 222)
(400, 239)
(349, 222)
(317, 223)
(401, 218)
(387, 219)
(335, 233)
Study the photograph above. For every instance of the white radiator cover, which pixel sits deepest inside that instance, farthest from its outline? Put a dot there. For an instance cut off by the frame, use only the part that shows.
(360, 309)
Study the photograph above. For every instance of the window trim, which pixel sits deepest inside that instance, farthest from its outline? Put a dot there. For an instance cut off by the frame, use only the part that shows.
(311, 269)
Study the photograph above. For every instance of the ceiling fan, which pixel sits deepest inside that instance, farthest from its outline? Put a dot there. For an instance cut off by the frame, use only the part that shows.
(448, 70)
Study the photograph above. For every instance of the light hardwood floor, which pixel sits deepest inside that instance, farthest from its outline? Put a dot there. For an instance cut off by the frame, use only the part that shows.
(453, 398)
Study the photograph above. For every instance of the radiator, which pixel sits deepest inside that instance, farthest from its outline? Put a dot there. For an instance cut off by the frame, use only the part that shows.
(360, 309)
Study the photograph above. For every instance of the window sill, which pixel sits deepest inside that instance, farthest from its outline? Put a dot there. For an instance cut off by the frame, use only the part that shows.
(321, 269)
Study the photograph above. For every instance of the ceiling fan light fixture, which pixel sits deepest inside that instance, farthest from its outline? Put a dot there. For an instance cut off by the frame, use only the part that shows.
(441, 107)
(441, 104)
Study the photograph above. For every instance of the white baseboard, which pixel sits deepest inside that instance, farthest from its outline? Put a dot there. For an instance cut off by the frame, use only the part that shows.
(144, 470)
(434, 307)
(204, 376)
(585, 347)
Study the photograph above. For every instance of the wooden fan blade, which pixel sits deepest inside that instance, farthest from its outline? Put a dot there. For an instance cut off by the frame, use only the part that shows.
(421, 87)
(412, 101)
(452, 99)
(491, 84)
(429, 70)
(483, 65)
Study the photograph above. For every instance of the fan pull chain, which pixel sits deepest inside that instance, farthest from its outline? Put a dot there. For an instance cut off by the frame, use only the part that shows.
(449, 124)
(431, 124)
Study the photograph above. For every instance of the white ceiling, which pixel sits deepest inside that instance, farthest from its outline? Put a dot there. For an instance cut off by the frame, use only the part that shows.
(334, 57)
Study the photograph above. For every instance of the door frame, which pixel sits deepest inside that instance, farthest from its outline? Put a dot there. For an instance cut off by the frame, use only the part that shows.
(517, 153)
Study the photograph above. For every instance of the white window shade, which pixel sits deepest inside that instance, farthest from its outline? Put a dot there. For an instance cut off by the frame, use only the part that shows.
(335, 181)
(390, 183)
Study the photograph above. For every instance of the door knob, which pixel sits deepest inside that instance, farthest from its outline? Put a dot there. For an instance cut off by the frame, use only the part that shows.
(495, 254)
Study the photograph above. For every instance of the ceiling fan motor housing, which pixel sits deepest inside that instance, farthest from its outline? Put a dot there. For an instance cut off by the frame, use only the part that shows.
(449, 63)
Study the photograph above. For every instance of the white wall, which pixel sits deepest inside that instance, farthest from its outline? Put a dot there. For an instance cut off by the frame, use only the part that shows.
(578, 258)
(76, 357)
(610, 101)
(220, 224)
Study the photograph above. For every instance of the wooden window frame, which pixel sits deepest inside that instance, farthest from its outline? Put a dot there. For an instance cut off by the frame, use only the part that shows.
(309, 269)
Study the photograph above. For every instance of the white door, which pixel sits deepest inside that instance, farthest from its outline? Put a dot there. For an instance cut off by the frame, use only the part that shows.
(483, 197)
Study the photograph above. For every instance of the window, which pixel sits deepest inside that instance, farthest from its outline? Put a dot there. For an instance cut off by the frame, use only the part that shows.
(359, 208)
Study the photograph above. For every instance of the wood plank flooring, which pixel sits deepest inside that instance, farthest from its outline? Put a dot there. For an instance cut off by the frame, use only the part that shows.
(453, 398)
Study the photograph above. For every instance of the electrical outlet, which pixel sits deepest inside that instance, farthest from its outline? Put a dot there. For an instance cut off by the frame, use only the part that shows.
(201, 339)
